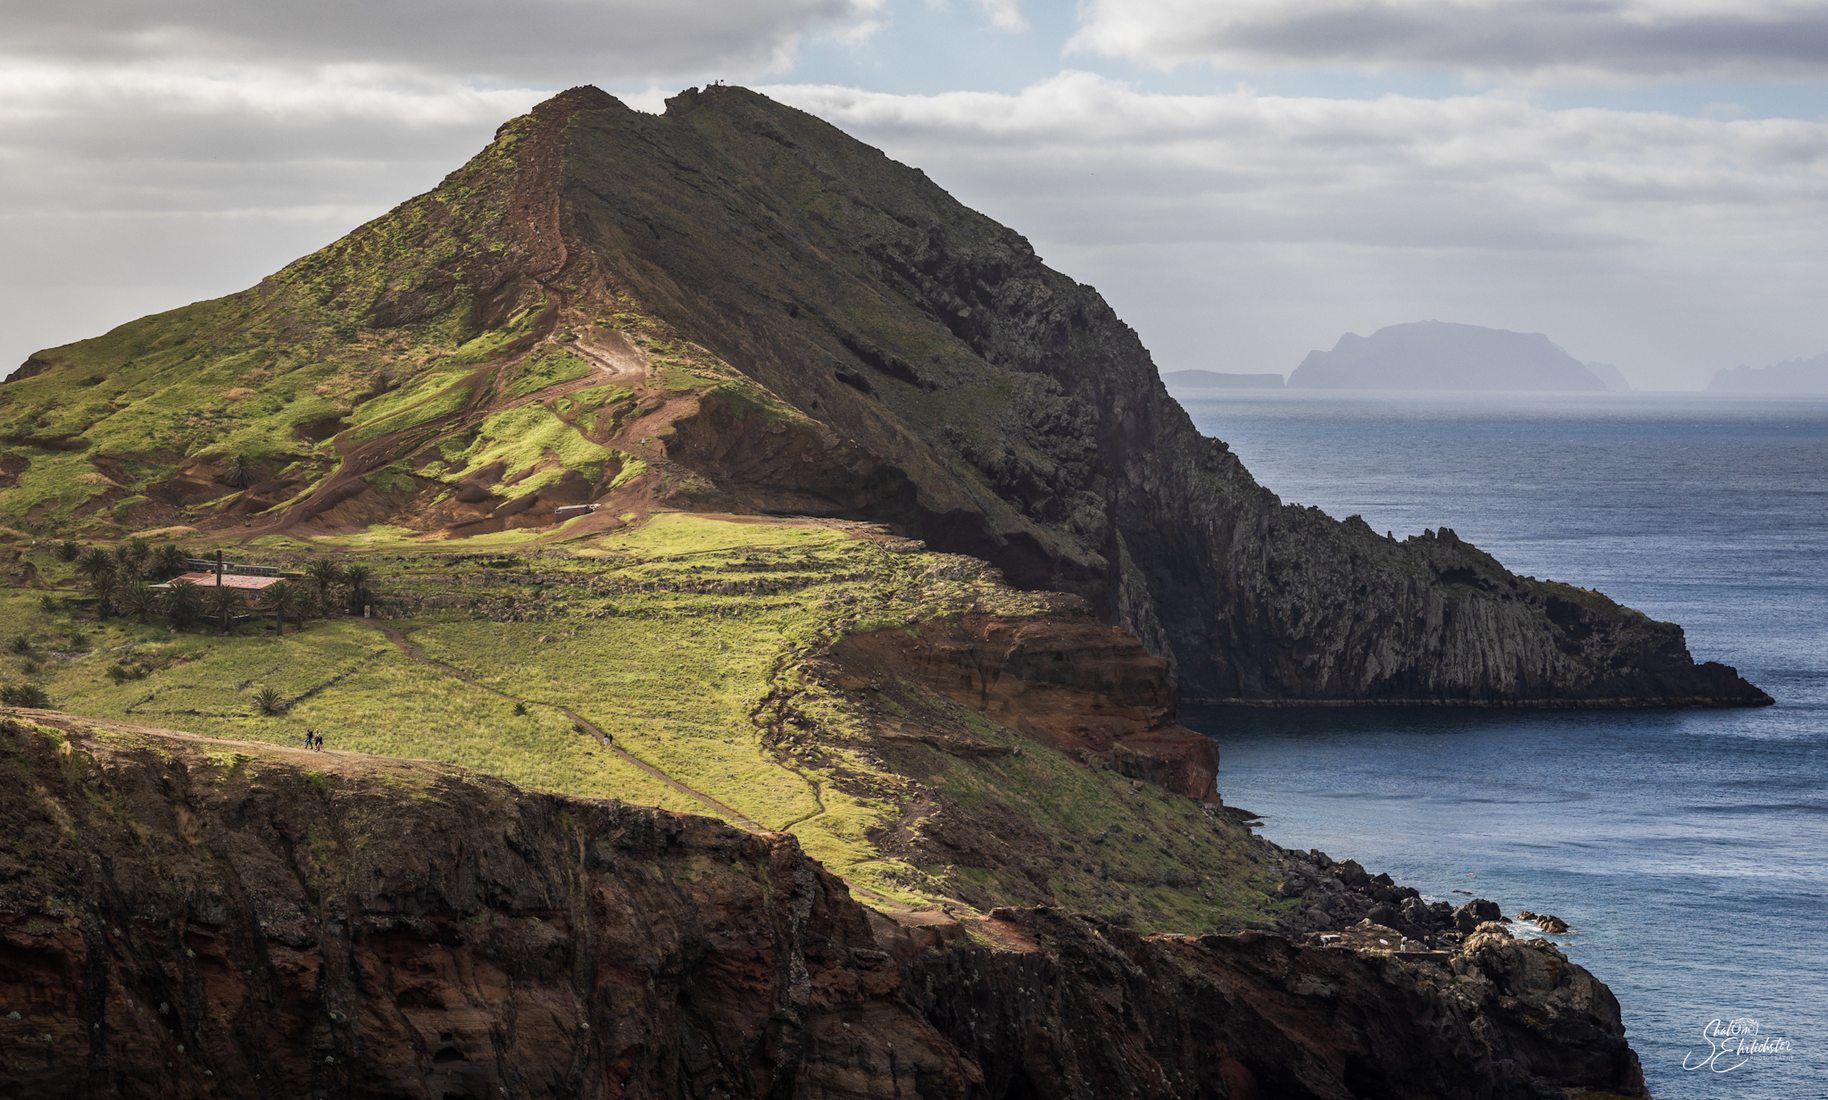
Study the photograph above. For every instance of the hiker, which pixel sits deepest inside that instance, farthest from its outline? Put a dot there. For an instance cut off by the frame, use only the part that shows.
(320, 742)
(310, 736)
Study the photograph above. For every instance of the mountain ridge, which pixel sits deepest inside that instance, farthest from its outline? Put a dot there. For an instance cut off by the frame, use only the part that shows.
(734, 306)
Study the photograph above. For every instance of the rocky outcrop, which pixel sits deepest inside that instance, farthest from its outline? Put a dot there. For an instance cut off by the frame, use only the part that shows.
(1090, 690)
(182, 917)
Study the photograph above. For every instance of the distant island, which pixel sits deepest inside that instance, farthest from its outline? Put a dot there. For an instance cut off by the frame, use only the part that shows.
(1793, 376)
(1435, 355)
(1613, 378)
(1219, 380)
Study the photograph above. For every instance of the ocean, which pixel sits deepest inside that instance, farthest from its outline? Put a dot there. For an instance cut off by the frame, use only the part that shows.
(1688, 849)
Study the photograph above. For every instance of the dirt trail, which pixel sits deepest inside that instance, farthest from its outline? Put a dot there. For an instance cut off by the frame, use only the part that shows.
(720, 809)
(612, 353)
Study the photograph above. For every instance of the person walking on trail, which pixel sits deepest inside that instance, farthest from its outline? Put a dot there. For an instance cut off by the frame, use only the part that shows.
(310, 736)
(320, 742)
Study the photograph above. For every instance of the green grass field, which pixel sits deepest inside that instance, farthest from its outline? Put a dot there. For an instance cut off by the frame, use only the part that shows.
(680, 639)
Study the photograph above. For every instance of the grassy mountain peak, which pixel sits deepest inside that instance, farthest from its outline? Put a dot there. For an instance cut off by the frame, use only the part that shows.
(734, 306)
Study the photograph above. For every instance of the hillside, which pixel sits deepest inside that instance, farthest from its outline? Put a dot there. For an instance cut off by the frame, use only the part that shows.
(733, 306)
(933, 737)
(1435, 355)
(1792, 377)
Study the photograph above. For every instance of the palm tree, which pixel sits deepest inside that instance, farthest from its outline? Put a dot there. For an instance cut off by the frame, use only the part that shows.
(97, 567)
(168, 561)
(355, 579)
(282, 599)
(138, 599)
(221, 603)
(239, 472)
(325, 573)
(182, 602)
(95, 562)
(130, 556)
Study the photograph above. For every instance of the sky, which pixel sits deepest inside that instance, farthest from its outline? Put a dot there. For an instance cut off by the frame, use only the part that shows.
(1646, 181)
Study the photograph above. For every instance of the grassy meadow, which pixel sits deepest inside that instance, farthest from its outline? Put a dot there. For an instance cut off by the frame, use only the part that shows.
(687, 642)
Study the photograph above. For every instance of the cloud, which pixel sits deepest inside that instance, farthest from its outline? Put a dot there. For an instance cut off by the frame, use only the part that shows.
(1004, 15)
(1238, 230)
(547, 41)
(154, 153)
(1604, 39)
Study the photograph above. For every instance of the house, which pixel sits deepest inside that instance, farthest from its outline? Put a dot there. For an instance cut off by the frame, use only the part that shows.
(246, 586)
(248, 582)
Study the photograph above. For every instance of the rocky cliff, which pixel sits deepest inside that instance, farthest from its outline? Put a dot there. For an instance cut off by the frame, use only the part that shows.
(182, 917)
(1085, 688)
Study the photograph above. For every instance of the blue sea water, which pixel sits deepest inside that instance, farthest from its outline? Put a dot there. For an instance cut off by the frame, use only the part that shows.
(1687, 848)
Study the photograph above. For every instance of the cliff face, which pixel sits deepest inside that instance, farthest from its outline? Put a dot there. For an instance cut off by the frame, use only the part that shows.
(1089, 690)
(189, 918)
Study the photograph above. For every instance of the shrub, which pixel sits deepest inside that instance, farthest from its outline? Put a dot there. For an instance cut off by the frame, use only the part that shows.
(24, 695)
(267, 700)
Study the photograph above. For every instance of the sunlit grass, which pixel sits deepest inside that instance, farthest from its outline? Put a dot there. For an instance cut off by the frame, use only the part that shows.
(678, 638)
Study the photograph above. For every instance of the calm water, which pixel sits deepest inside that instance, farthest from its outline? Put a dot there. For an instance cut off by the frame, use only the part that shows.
(1688, 849)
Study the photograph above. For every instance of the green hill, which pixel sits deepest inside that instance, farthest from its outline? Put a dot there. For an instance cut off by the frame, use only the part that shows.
(734, 306)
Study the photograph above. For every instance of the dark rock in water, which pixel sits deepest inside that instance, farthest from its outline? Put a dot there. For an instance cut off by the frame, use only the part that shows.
(1475, 913)
(1353, 875)
(1547, 922)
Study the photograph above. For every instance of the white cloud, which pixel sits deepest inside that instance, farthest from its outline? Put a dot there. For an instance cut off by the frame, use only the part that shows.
(1004, 15)
(554, 42)
(1608, 39)
(1238, 230)
(154, 153)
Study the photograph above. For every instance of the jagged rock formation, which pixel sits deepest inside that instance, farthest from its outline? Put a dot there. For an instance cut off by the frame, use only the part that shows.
(190, 918)
(780, 318)
(1436, 355)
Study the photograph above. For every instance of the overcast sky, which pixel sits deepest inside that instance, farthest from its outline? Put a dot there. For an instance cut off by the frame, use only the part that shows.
(1644, 180)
